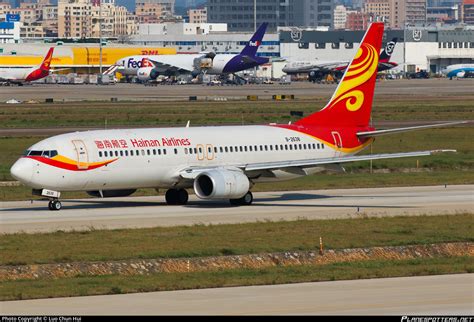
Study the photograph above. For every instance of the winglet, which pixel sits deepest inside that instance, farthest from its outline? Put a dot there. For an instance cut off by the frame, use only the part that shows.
(255, 42)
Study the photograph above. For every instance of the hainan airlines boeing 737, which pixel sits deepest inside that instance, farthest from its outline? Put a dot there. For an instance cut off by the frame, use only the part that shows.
(21, 75)
(218, 162)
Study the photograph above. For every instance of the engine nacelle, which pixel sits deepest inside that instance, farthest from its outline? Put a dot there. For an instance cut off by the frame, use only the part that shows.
(147, 73)
(461, 74)
(221, 184)
(111, 193)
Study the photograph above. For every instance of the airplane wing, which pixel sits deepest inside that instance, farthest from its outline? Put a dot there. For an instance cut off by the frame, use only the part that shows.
(299, 165)
(167, 68)
(405, 129)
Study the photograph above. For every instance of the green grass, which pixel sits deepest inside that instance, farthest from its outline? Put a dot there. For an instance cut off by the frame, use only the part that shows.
(115, 284)
(214, 113)
(201, 240)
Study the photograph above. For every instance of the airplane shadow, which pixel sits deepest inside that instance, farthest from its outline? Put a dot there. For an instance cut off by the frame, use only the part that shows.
(213, 204)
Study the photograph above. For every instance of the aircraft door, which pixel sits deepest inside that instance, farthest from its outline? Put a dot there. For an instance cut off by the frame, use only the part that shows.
(82, 156)
(209, 152)
(337, 143)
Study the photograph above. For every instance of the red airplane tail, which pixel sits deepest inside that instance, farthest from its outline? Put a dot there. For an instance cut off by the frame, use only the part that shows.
(351, 103)
(46, 64)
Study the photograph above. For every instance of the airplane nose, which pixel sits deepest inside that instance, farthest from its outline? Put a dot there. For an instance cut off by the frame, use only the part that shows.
(22, 170)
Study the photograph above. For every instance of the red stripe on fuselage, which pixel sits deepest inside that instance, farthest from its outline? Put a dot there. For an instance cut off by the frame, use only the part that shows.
(66, 166)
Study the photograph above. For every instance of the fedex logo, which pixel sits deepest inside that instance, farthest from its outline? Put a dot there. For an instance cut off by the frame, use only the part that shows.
(254, 43)
(132, 63)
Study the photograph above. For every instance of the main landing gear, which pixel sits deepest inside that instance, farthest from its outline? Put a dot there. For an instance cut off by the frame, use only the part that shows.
(176, 197)
(244, 201)
(55, 205)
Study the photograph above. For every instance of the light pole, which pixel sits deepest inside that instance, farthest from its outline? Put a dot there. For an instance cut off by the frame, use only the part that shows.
(254, 15)
(100, 39)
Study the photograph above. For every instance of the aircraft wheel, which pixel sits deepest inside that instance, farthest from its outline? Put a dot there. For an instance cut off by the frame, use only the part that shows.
(183, 197)
(244, 201)
(55, 205)
(172, 197)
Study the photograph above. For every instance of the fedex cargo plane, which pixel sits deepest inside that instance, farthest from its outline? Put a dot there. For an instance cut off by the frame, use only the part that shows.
(21, 75)
(150, 67)
(216, 162)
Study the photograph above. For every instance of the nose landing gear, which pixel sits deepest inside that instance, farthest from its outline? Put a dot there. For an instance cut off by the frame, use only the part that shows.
(55, 205)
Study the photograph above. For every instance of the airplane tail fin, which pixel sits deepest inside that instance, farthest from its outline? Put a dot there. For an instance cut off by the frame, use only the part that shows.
(351, 103)
(255, 42)
(46, 64)
(387, 52)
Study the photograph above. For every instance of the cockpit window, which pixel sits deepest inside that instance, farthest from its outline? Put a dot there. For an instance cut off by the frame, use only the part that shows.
(37, 153)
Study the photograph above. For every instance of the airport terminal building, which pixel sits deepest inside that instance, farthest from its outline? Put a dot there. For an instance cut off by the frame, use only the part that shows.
(424, 48)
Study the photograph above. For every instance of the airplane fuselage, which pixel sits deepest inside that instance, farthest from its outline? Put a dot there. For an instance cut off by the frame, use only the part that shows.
(21, 74)
(153, 158)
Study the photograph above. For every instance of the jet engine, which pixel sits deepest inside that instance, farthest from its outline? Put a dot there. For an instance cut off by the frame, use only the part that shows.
(461, 74)
(221, 184)
(147, 73)
(111, 193)
(203, 64)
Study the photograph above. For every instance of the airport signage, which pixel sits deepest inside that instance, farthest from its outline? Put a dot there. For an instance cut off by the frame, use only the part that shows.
(12, 17)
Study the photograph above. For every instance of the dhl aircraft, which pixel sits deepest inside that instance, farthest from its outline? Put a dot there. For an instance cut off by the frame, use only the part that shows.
(21, 75)
(217, 162)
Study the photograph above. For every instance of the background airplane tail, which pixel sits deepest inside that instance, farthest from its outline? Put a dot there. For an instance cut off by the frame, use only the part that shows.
(255, 42)
(387, 52)
(351, 103)
(46, 64)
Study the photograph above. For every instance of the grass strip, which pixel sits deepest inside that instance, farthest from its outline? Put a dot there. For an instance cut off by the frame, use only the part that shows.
(115, 284)
(249, 238)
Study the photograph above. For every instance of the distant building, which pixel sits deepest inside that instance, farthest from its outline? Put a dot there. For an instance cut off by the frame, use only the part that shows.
(197, 15)
(357, 20)
(468, 12)
(9, 30)
(177, 29)
(396, 13)
(154, 11)
(277, 13)
(74, 19)
(340, 17)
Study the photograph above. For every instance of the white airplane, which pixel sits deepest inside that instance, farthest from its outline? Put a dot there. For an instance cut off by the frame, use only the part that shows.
(21, 75)
(459, 71)
(217, 162)
(150, 67)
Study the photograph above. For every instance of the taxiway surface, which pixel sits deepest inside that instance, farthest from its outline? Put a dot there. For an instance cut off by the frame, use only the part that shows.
(427, 295)
(135, 212)
(130, 92)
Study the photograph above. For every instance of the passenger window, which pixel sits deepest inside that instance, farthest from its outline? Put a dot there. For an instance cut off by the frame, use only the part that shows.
(286, 146)
(304, 146)
(200, 150)
(266, 147)
(105, 153)
(322, 146)
(126, 153)
(231, 149)
(143, 152)
(291, 147)
(209, 150)
(185, 150)
(159, 151)
(164, 151)
(245, 147)
(116, 153)
(276, 147)
(154, 151)
(175, 151)
(241, 149)
(195, 151)
(226, 149)
(215, 149)
(131, 153)
(138, 153)
(100, 154)
(121, 153)
(250, 147)
(261, 148)
(221, 149)
(300, 146)
(148, 152)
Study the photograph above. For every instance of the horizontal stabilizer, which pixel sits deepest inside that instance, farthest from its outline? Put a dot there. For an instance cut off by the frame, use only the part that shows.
(371, 134)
